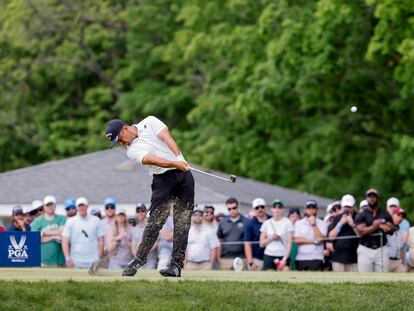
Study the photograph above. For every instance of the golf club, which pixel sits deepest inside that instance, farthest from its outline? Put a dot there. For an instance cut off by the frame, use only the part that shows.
(231, 179)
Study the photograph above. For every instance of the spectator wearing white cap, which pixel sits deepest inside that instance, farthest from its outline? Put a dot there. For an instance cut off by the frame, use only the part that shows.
(363, 205)
(138, 233)
(50, 226)
(404, 226)
(254, 252)
(373, 224)
(202, 245)
(396, 243)
(35, 210)
(276, 239)
(331, 211)
(82, 240)
(119, 242)
(309, 234)
(344, 255)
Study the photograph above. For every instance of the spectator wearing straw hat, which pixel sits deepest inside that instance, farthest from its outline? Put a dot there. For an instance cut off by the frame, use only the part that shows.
(343, 233)
(254, 252)
(373, 224)
(309, 234)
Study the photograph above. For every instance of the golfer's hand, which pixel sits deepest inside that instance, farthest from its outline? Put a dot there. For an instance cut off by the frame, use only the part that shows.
(344, 219)
(183, 166)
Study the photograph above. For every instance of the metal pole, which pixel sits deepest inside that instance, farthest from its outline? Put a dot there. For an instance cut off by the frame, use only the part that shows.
(382, 253)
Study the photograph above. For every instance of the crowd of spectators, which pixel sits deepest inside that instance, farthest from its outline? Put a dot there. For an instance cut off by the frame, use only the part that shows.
(366, 238)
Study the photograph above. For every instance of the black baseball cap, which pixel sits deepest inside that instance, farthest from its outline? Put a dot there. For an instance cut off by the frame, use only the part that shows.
(113, 128)
(209, 206)
(311, 203)
(17, 210)
(197, 211)
(294, 210)
(141, 207)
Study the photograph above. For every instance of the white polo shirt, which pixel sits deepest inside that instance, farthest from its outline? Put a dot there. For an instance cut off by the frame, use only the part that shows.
(281, 227)
(200, 242)
(83, 234)
(304, 230)
(149, 142)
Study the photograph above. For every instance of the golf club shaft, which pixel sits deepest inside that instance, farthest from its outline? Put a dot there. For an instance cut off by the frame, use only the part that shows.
(209, 174)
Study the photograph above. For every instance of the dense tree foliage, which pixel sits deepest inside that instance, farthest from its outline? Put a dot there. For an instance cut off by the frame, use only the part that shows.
(257, 88)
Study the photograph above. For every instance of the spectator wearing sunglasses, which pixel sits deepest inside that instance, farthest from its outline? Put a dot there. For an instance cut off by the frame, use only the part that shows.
(34, 211)
(109, 220)
(253, 251)
(208, 218)
(231, 231)
(70, 207)
(309, 235)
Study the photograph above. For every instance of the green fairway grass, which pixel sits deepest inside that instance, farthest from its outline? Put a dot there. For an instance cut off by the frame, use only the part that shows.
(62, 289)
(207, 295)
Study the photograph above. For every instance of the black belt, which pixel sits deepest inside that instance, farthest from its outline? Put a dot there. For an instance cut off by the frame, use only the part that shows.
(174, 171)
(394, 258)
(374, 246)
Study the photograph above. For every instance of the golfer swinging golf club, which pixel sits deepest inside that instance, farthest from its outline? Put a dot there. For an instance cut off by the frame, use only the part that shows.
(150, 143)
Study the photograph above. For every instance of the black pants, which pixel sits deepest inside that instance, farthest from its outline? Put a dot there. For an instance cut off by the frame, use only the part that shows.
(311, 265)
(269, 262)
(173, 188)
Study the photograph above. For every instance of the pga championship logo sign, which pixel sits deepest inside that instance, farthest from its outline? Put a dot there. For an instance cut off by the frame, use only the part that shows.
(19, 249)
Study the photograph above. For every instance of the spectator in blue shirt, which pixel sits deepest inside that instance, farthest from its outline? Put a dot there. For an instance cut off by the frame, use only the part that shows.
(253, 251)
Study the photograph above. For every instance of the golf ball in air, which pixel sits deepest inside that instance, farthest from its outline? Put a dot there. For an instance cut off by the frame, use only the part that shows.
(354, 109)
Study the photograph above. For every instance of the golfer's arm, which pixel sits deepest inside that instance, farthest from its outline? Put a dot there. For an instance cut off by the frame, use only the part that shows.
(166, 137)
(65, 246)
(151, 159)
